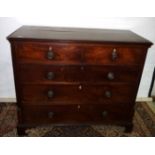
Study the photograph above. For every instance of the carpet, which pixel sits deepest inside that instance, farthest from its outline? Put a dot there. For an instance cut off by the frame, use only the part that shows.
(144, 125)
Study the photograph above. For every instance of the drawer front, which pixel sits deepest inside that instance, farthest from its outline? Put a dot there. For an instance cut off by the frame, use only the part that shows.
(49, 53)
(50, 73)
(76, 94)
(114, 55)
(72, 53)
(76, 114)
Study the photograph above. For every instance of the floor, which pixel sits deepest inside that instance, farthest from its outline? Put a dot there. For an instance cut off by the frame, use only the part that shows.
(144, 125)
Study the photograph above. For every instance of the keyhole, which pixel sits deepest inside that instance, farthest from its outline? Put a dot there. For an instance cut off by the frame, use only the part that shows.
(80, 87)
(50, 48)
(78, 107)
(82, 68)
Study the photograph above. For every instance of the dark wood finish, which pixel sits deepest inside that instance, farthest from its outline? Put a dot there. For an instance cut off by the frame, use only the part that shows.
(103, 55)
(77, 34)
(76, 113)
(80, 76)
(78, 73)
(75, 53)
(37, 52)
(76, 94)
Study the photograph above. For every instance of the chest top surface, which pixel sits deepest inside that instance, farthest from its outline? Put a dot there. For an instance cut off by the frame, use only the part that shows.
(77, 34)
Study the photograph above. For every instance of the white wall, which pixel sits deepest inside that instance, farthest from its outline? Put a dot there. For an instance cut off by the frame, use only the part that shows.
(142, 26)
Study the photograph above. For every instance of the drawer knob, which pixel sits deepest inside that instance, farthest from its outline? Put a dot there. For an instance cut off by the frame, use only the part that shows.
(111, 76)
(50, 54)
(50, 75)
(104, 113)
(50, 114)
(114, 54)
(50, 94)
(108, 94)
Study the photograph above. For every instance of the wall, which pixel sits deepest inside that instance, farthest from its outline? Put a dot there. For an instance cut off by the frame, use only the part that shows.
(142, 26)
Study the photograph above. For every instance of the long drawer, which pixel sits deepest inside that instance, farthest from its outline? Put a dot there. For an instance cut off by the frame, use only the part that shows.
(76, 94)
(74, 53)
(79, 73)
(76, 114)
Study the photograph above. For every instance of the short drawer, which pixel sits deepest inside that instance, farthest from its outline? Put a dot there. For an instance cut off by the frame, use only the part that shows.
(76, 114)
(75, 94)
(44, 52)
(114, 55)
(75, 53)
(79, 73)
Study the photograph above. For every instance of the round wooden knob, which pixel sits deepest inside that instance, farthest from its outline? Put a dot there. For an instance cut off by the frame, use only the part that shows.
(50, 75)
(50, 114)
(104, 113)
(50, 94)
(111, 76)
(108, 94)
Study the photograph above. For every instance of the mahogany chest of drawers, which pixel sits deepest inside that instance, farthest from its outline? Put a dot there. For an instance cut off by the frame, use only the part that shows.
(76, 76)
